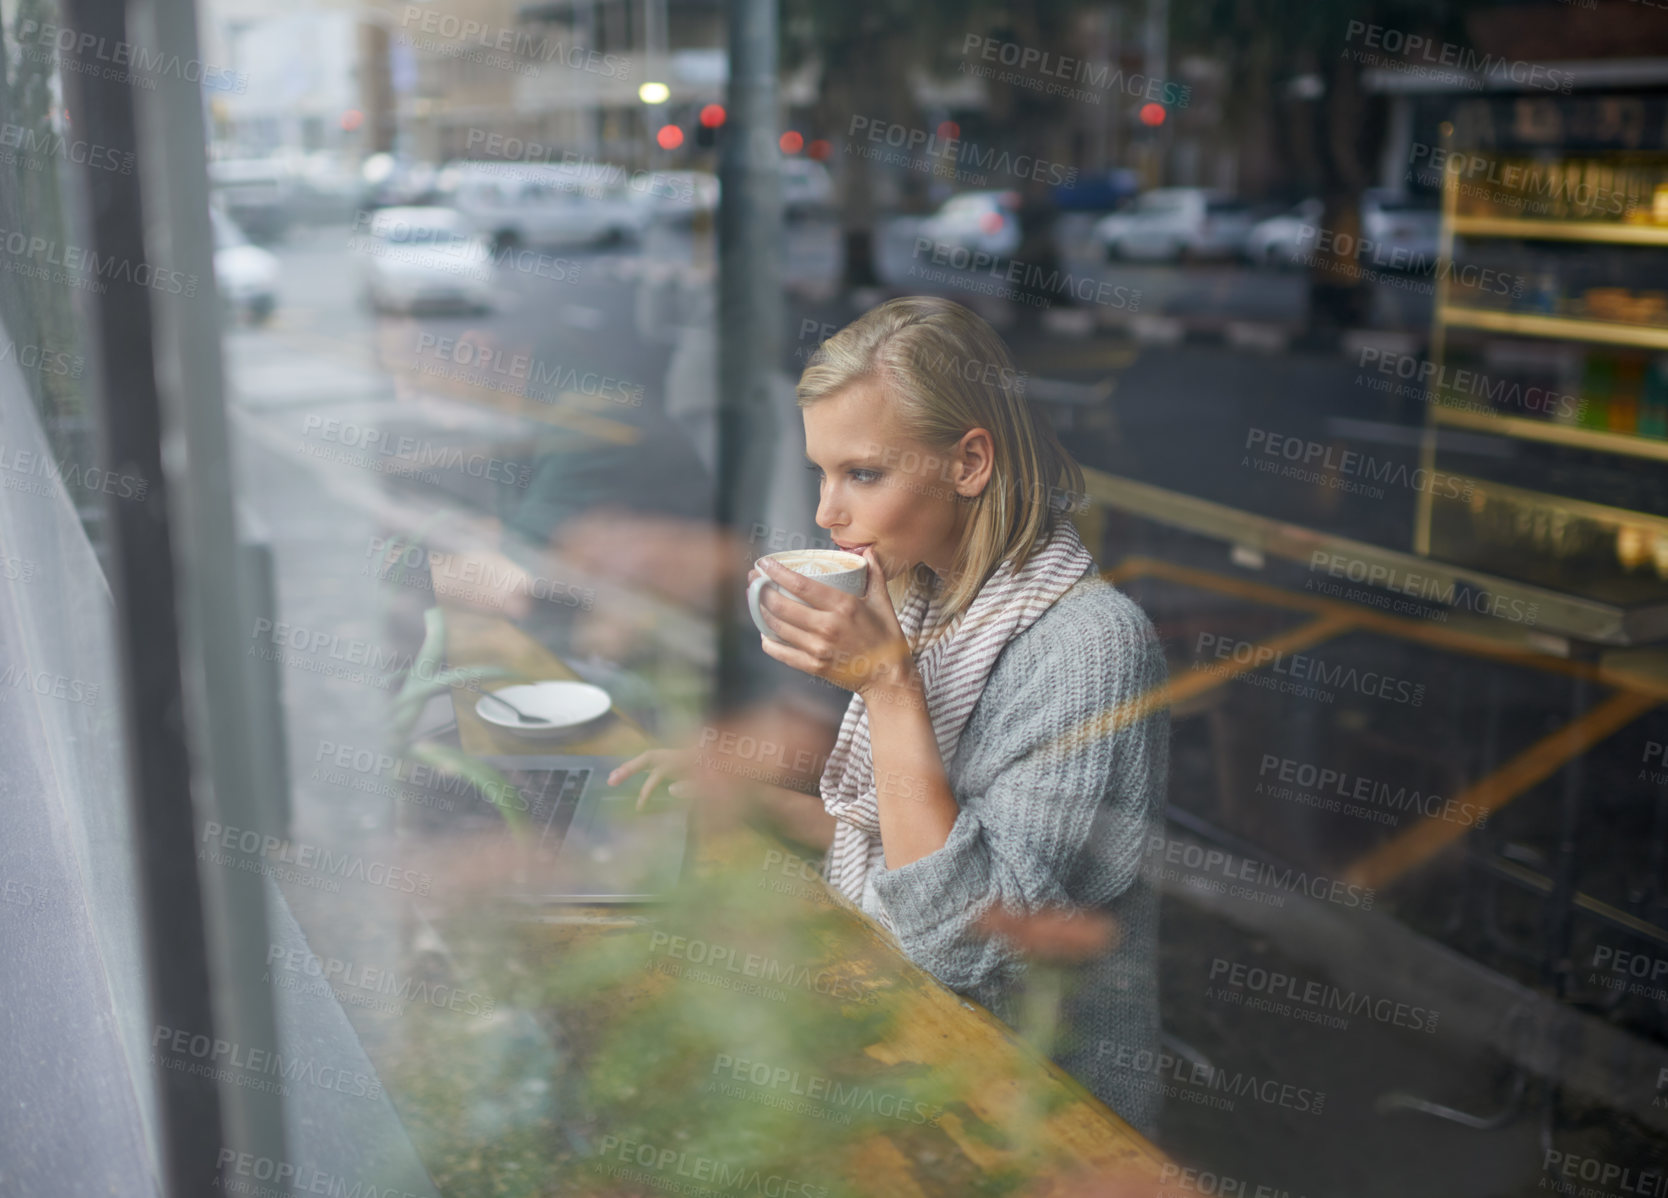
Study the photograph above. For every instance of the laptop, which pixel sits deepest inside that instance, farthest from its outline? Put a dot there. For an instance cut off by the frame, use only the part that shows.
(592, 844)
(600, 848)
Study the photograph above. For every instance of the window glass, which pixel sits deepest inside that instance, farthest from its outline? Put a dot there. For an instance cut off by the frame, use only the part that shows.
(82, 1108)
(1253, 441)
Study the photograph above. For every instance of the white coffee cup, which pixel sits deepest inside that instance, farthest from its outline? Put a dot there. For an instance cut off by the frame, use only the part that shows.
(848, 572)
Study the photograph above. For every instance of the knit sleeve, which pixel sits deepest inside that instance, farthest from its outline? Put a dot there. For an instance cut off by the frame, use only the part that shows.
(1067, 774)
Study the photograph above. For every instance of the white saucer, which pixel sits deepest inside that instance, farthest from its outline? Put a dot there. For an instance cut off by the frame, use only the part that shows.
(568, 707)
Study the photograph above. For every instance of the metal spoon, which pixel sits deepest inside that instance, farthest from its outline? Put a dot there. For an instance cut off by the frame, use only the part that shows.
(519, 714)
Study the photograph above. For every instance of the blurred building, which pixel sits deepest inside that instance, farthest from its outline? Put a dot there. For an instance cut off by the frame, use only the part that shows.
(509, 79)
(295, 88)
(1110, 94)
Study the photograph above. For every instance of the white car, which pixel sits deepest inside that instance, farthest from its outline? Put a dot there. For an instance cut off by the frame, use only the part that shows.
(387, 181)
(677, 197)
(1403, 230)
(245, 275)
(257, 193)
(807, 188)
(981, 221)
(514, 204)
(1397, 232)
(1288, 239)
(417, 258)
(1175, 222)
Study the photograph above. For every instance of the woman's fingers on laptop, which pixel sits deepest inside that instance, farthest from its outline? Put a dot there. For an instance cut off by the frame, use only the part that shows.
(656, 776)
(627, 768)
(661, 764)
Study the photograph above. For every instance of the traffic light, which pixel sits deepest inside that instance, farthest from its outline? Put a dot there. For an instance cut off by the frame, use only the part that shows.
(706, 128)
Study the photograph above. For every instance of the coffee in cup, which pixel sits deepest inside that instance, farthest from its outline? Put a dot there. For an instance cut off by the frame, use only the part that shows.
(848, 572)
(812, 562)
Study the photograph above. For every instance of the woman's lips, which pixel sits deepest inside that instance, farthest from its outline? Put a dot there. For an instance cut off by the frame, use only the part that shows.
(854, 548)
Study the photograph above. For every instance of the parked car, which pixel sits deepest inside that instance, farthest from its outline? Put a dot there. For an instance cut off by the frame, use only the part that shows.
(424, 258)
(257, 193)
(516, 203)
(980, 221)
(677, 197)
(387, 181)
(1288, 239)
(807, 188)
(1403, 229)
(1397, 231)
(327, 188)
(1175, 222)
(245, 275)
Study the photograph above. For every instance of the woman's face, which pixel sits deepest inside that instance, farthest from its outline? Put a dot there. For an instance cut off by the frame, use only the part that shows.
(881, 487)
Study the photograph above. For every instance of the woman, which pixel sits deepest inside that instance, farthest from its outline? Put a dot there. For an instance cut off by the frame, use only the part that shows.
(1001, 753)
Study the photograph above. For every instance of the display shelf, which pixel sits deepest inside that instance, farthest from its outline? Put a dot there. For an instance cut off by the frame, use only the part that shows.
(1555, 540)
(1614, 554)
(1545, 430)
(1561, 328)
(1598, 231)
(1584, 509)
(1561, 611)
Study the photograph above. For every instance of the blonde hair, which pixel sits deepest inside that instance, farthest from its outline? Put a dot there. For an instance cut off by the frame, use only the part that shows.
(947, 371)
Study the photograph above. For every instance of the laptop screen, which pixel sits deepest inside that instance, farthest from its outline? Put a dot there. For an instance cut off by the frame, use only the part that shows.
(548, 797)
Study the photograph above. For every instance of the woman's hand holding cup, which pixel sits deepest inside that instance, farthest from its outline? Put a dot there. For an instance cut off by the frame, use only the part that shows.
(850, 639)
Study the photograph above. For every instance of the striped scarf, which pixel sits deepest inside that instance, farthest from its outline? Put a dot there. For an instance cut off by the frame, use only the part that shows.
(953, 670)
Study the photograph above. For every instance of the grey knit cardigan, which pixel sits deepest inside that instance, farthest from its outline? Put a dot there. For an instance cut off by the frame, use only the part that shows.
(1051, 819)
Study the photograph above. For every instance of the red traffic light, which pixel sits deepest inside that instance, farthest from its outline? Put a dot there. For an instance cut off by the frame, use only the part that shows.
(712, 116)
(670, 137)
(1152, 115)
(792, 142)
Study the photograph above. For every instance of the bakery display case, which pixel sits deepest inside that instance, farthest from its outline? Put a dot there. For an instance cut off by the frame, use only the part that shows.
(1548, 372)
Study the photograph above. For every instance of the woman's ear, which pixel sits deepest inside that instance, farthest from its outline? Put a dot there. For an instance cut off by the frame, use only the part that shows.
(975, 460)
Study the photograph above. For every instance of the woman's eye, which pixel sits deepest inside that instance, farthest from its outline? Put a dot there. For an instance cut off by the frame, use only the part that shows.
(816, 470)
(864, 476)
